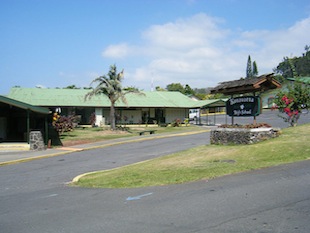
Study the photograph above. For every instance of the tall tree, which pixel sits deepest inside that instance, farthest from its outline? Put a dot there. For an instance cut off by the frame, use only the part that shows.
(255, 70)
(249, 73)
(188, 90)
(111, 86)
(292, 66)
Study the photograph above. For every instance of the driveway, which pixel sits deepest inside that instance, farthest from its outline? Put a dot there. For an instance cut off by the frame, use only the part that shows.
(269, 200)
(268, 116)
(35, 198)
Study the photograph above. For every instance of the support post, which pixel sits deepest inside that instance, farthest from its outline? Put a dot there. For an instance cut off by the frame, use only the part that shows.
(214, 116)
(28, 125)
(46, 130)
(254, 120)
(232, 118)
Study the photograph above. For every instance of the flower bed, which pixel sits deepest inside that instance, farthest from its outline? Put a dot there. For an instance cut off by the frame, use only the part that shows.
(242, 134)
(249, 126)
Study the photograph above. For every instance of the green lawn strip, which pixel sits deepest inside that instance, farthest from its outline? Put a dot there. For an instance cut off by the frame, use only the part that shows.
(96, 134)
(206, 162)
(91, 134)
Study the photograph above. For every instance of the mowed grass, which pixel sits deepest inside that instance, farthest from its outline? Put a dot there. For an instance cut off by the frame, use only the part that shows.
(87, 135)
(206, 162)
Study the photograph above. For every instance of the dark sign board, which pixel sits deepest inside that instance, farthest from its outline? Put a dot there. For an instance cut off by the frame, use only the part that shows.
(244, 106)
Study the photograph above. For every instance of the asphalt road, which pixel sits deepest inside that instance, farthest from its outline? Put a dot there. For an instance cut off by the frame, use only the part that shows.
(269, 200)
(34, 197)
(270, 117)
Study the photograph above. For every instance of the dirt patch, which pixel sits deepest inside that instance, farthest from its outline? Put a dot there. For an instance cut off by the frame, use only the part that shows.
(76, 142)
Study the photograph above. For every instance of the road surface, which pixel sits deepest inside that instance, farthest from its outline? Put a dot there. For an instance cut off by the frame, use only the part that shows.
(35, 197)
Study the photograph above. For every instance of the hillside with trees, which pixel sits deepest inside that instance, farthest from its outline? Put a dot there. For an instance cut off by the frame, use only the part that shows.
(296, 66)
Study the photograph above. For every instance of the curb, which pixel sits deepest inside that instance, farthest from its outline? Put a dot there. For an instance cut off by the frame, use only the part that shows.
(78, 177)
(33, 158)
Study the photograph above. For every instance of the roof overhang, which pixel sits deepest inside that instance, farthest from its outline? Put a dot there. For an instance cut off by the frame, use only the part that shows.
(23, 105)
(211, 103)
(247, 85)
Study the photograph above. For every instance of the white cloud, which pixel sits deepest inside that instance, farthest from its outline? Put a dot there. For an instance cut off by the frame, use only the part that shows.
(116, 51)
(198, 51)
(198, 30)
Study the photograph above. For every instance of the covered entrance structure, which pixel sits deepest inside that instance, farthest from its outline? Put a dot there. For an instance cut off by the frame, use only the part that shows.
(17, 119)
(247, 86)
(206, 107)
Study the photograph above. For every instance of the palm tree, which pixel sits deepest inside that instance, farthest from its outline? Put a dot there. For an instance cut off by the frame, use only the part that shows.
(111, 86)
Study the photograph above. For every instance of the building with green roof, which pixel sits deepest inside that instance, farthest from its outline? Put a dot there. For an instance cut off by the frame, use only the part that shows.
(150, 107)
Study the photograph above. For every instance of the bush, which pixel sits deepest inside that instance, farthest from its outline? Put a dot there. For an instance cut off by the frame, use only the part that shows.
(92, 119)
(64, 123)
(293, 102)
(249, 126)
(176, 123)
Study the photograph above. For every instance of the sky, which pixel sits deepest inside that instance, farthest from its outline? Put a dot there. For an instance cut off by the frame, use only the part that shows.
(58, 43)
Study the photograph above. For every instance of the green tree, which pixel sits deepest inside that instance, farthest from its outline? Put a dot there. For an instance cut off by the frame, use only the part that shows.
(201, 96)
(251, 68)
(158, 88)
(111, 86)
(188, 90)
(71, 87)
(131, 88)
(284, 68)
(255, 70)
(249, 73)
(296, 66)
(175, 87)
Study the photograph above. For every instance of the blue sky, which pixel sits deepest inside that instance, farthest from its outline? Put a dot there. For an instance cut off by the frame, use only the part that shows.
(57, 43)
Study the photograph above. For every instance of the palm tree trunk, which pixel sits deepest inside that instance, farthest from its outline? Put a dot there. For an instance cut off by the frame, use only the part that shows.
(112, 116)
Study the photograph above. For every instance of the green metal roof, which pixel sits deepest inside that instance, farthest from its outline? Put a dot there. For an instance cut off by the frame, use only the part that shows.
(75, 97)
(23, 105)
(55, 97)
(211, 103)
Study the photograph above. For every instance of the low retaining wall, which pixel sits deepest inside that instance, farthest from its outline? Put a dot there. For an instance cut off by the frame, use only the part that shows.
(242, 136)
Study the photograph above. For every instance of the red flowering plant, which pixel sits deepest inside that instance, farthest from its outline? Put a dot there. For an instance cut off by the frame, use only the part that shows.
(288, 106)
(293, 102)
(64, 123)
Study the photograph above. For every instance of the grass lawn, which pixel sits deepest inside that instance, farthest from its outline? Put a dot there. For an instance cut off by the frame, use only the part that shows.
(206, 162)
(88, 135)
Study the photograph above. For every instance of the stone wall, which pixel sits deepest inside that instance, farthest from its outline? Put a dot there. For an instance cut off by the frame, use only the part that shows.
(242, 136)
(36, 140)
